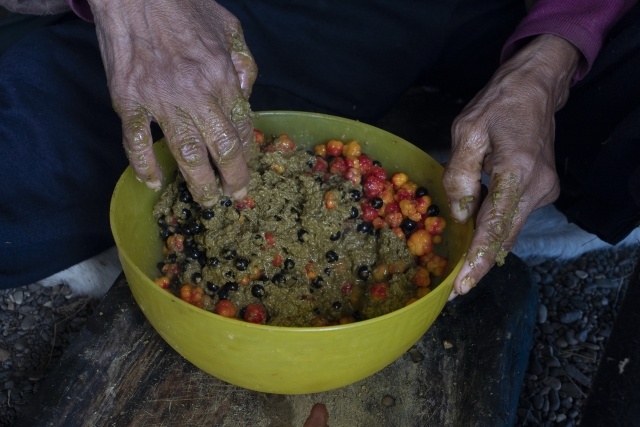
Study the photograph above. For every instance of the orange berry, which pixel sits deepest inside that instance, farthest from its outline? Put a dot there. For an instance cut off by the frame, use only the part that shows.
(185, 293)
(397, 266)
(196, 294)
(411, 301)
(330, 199)
(408, 209)
(420, 243)
(422, 204)
(335, 148)
(319, 321)
(434, 224)
(256, 273)
(163, 282)
(437, 239)
(312, 270)
(394, 219)
(352, 149)
(320, 150)
(435, 264)
(283, 143)
(176, 242)
(347, 319)
(277, 168)
(245, 202)
(421, 278)
(353, 175)
(380, 273)
(244, 280)
(171, 270)
(379, 291)
(225, 308)
(352, 162)
(378, 223)
(397, 179)
(388, 193)
(398, 232)
(411, 187)
(423, 292)
(259, 136)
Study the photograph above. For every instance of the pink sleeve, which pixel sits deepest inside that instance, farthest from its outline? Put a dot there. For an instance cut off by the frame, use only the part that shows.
(584, 23)
(81, 8)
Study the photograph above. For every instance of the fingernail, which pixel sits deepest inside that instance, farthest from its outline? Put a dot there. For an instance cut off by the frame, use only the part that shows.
(452, 296)
(240, 193)
(154, 184)
(467, 283)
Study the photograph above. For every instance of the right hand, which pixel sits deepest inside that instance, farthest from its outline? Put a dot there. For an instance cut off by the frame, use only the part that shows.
(318, 416)
(185, 65)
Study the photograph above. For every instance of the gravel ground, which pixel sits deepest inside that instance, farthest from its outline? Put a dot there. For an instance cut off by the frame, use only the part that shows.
(38, 324)
(578, 303)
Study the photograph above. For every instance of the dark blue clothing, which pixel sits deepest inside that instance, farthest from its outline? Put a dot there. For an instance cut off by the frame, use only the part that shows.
(61, 141)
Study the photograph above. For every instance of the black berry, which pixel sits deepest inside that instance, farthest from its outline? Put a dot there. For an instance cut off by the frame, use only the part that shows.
(355, 195)
(229, 254)
(212, 287)
(257, 291)
(289, 263)
(433, 210)
(421, 191)
(376, 203)
(242, 264)
(331, 256)
(208, 214)
(335, 236)
(363, 272)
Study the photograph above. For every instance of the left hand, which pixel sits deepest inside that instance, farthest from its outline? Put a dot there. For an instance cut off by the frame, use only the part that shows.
(508, 130)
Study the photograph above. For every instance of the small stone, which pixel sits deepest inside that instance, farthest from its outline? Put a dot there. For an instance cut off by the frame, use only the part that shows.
(582, 336)
(573, 413)
(560, 418)
(570, 336)
(553, 382)
(4, 354)
(604, 333)
(561, 343)
(447, 344)
(547, 329)
(554, 400)
(18, 297)
(575, 373)
(545, 390)
(553, 363)
(415, 355)
(534, 366)
(388, 401)
(571, 390)
(590, 346)
(537, 402)
(567, 403)
(542, 313)
(581, 274)
(571, 316)
(548, 291)
(9, 385)
(48, 304)
(28, 322)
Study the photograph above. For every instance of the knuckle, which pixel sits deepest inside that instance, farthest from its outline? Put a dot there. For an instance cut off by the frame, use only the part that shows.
(192, 152)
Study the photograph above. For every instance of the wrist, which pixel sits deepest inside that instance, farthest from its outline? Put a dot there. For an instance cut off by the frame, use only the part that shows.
(551, 62)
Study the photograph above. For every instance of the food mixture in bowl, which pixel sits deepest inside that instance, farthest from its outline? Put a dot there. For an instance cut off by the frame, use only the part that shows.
(322, 238)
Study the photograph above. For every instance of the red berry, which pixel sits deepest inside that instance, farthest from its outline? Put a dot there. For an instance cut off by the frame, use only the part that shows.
(373, 186)
(369, 213)
(321, 165)
(365, 163)
(338, 165)
(255, 313)
(379, 291)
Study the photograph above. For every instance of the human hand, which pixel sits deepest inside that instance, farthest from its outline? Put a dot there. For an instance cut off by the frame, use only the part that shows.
(507, 130)
(318, 416)
(185, 65)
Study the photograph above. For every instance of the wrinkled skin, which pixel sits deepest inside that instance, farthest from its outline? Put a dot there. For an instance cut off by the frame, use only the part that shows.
(507, 130)
(318, 416)
(185, 65)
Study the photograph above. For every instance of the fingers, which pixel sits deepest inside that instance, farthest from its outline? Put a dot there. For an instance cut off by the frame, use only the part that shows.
(463, 172)
(227, 151)
(138, 145)
(319, 416)
(242, 59)
(498, 223)
(192, 155)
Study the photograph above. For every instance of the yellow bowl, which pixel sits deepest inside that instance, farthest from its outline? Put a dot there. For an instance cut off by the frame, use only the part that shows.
(279, 359)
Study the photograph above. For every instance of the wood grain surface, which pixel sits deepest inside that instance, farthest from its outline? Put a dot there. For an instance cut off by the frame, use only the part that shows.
(467, 370)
